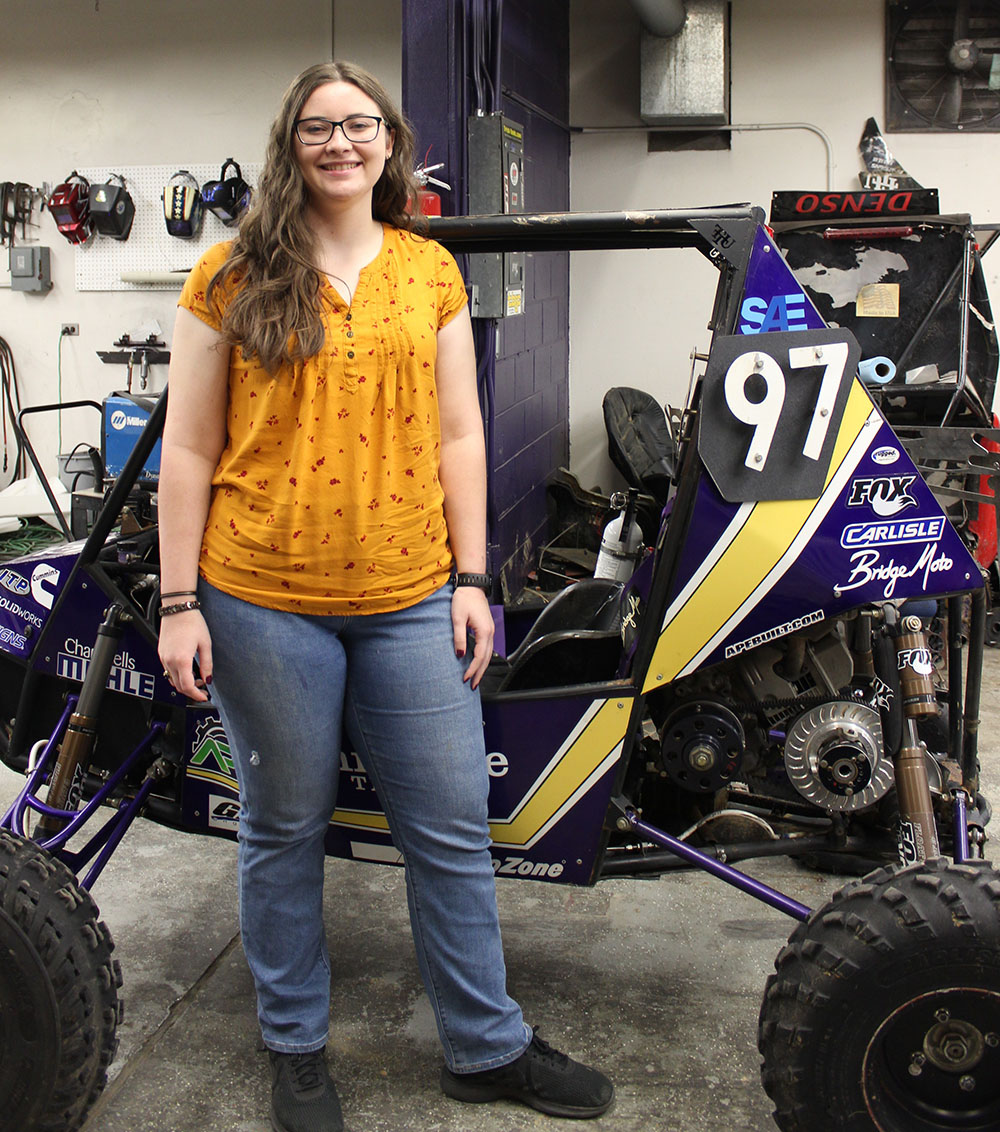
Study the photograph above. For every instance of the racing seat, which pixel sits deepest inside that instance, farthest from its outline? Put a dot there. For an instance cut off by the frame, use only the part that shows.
(640, 443)
(576, 639)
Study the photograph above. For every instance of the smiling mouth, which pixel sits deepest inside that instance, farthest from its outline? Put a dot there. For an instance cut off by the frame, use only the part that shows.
(341, 166)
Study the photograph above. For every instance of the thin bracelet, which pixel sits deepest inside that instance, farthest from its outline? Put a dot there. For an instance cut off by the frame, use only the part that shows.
(180, 607)
(179, 593)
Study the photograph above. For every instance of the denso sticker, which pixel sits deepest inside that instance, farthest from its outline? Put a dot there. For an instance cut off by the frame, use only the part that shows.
(885, 495)
(868, 566)
(892, 533)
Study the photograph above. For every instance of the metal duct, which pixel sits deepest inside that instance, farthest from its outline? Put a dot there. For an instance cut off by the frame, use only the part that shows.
(684, 78)
(661, 17)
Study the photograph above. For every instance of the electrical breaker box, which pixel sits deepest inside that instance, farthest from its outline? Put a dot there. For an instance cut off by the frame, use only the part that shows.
(123, 421)
(30, 269)
(496, 184)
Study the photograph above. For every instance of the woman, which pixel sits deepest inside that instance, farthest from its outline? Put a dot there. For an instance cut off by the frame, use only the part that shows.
(322, 517)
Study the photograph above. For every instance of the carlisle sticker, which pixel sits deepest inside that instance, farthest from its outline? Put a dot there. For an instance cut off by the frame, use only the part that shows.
(892, 533)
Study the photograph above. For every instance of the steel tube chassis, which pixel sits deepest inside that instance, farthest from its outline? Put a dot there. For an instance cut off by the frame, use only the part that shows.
(560, 756)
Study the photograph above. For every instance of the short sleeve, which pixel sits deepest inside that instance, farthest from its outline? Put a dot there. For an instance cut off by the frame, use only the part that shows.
(196, 286)
(451, 287)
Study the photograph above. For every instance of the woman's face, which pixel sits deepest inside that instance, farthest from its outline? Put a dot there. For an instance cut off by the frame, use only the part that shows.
(341, 169)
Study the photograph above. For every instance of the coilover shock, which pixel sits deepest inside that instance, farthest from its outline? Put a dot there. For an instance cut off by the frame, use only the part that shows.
(918, 839)
(81, 731)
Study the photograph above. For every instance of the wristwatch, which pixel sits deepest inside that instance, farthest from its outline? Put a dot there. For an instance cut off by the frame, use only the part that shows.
(482, 582)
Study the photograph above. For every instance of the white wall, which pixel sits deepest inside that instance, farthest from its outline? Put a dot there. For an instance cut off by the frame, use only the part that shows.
(115, 82)
(635, 316)
(94, 82)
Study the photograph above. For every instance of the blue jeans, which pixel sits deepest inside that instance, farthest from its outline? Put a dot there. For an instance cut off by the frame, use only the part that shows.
(285, 684)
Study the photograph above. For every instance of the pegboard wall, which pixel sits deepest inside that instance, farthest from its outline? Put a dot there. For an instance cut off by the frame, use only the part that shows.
(149, 247)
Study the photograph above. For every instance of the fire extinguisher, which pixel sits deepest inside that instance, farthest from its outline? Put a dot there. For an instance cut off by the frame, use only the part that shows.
(621, 543)
(428, 201)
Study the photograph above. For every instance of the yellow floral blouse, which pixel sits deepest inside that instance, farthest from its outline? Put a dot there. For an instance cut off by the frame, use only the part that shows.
(326, 499)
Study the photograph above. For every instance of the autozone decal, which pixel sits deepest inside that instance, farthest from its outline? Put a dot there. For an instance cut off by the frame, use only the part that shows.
(522, 867)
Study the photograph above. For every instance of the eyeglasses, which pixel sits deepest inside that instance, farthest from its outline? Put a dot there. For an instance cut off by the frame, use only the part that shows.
(318, 131)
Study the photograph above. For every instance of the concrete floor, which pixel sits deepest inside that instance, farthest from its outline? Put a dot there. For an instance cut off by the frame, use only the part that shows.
(658, 982)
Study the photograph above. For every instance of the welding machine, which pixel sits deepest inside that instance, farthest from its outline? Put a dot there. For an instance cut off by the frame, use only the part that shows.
(123, 419)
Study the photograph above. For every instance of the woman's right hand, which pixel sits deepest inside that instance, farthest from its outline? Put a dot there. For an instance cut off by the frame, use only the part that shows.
(184, 639)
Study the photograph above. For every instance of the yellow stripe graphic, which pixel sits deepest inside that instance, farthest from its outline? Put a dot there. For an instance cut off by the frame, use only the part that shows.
(214, 776)
(764, 538)
(591, 747)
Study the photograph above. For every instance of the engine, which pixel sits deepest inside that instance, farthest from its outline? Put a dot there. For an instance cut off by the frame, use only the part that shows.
(835, 759)
(782, 722)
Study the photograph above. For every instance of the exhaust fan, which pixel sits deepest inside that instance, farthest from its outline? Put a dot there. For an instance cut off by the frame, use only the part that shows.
(943, 65)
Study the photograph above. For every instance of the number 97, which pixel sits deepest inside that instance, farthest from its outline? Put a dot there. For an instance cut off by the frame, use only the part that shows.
(763, 415)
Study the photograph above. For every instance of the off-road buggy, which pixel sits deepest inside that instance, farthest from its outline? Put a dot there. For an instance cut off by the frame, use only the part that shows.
(793, 668)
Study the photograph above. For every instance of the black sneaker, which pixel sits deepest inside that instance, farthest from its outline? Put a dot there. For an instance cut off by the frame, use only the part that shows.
(303, 1097)
(541, 1077)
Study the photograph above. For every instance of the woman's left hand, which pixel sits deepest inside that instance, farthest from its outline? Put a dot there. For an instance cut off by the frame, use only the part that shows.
(470, 613)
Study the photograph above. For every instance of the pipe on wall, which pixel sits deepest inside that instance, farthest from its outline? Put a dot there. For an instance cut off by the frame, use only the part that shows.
(661, 17)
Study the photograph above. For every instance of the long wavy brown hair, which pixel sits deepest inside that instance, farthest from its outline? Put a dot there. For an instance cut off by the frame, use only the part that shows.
(270, 278)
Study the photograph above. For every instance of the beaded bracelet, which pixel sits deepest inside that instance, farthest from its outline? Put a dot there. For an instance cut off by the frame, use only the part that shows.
(180, 607)
(179, 593)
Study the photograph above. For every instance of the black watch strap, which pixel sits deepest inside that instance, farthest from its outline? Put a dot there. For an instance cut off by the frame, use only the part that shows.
(480, 581)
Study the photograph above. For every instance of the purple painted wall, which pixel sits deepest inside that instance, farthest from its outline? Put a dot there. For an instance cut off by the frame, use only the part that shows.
(532, 365)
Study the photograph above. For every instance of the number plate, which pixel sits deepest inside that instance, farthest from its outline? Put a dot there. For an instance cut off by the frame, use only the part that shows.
(771, 407)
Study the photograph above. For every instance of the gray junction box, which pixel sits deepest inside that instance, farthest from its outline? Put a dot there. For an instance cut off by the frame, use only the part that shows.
(30, 269)
(496, 184)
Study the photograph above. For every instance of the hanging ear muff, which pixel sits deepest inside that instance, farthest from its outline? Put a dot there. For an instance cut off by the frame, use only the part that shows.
(228, 197)
(112, 208)
(182, 207)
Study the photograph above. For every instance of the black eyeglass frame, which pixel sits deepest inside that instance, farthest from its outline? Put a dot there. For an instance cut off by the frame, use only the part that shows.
(333, 127)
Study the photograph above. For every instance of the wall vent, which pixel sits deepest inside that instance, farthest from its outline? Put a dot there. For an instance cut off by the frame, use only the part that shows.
(684, 78)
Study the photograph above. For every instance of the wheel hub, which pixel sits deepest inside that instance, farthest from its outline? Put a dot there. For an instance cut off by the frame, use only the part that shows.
(934, 1063)
(953, 1045)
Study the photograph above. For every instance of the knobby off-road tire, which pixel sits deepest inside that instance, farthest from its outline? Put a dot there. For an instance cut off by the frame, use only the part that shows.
(884, 1009)
(59, 1007)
